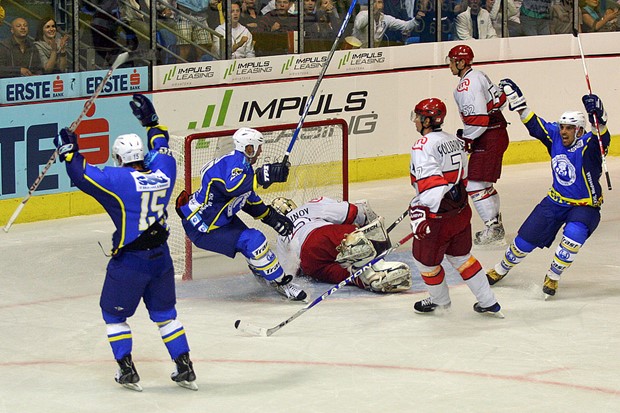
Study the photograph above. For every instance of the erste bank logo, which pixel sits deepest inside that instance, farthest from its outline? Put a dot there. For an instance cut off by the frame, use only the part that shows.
(25, 91)
(359, 60)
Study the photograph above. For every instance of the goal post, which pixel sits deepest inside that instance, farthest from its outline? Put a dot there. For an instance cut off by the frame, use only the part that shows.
(319, 167)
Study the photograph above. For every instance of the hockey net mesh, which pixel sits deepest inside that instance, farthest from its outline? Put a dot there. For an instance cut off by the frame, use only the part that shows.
(318, 161)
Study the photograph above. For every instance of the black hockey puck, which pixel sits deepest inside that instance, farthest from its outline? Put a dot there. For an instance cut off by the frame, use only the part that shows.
(237, 323)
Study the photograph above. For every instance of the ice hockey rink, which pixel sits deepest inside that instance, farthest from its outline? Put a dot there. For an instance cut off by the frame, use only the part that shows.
(354, 352)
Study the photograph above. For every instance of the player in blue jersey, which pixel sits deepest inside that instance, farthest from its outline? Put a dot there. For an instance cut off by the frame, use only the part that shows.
(228, 186)
(135, 195)
(575, 198)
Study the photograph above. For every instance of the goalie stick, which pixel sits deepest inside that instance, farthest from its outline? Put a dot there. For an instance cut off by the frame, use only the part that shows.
(252, 329)
(318, 81)
(120, 59)
(596, 125)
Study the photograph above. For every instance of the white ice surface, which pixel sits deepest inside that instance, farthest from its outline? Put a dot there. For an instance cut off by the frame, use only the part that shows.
(354, 352)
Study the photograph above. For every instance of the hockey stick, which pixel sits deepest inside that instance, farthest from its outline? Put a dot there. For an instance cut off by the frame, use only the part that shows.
(398, 220)
(318, 81)
(120, 59)
(596, 125)
(266, 332)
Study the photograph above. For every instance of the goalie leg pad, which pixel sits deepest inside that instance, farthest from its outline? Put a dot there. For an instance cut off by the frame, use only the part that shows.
(386, 277)
(362, 245)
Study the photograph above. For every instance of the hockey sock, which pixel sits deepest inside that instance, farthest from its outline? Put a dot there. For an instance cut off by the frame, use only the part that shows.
(434, 278)
(263, 261)
(563, 258)
(486, 202)
(119, 336)
(173, 336)
(514, 255)
(479, 286)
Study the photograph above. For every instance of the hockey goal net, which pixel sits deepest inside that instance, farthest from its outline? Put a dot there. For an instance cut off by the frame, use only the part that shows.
(319, 167)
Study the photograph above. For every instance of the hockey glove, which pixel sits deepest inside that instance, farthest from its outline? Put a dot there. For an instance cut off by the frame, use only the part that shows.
(66, 142)
(144, 110)
(466, 142)
(270, 173)
(279, 222)
(182, 200)
(419, 224)
(516, 100)
(594, 107)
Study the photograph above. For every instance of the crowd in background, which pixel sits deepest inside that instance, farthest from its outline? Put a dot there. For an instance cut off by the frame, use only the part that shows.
(38, 40)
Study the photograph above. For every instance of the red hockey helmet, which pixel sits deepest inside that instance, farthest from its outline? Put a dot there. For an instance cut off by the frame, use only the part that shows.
(461, 52)
(432, 108)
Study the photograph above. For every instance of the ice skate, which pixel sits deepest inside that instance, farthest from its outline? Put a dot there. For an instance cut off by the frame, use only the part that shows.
(184, 375)
(495, 310)
(492, 234)
(493, 276)
(127, 375)
(428, 306)
(288, 289)
(549, 287)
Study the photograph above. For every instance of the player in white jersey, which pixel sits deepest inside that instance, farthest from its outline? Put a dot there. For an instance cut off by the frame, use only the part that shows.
(331, 239)
(484, 131)
(440, 214)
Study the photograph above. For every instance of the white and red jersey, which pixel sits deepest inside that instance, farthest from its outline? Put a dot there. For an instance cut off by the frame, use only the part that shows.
(477, 99)
(308, 217)
(438, 164)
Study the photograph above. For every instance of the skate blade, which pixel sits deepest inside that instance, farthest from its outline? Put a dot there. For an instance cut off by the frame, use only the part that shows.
(497, 243)
(132, 386)
(191, 385)
(548, 296)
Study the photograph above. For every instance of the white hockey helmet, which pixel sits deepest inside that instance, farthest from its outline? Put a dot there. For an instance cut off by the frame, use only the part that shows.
(283, 205)
(575, 118)
(248, 136)
(127, 149)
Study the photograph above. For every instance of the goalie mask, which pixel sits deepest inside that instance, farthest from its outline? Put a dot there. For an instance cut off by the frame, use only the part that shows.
(127, 149)
(283, 205)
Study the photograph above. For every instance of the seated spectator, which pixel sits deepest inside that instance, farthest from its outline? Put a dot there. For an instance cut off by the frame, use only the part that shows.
(2, 15)
(535, 17)
(243, 43)
(382, 23)
(249, 15)
(474, 23)
(192, 28)
(271, 6)
(597, 20)
(18, 54)
(427, 17)
(166, 37)
(278, 20)
(320, 24)
(52, 47)
(562, 17)
(494, 7)
(328, 18)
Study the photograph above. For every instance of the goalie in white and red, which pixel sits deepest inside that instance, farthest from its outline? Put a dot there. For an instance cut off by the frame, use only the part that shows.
(440, 213)
(333, 239)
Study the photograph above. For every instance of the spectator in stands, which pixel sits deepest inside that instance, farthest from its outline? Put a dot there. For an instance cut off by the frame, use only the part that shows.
(243, 43)
(104, 30)
(278, 20)
(249, 15)
(52, 47)
(192, 28)
(562, 17)
(474, 23)
(166, 37)
(320, 23)
(2, 15)
(427, 17)
(535, 17)
(382, 23)
(494, 7)
(597, 18)
(18, 54)
(328, 18)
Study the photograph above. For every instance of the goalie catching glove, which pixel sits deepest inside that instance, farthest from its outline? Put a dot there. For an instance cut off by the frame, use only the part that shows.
(66, 142)
(279, 222)
(270, 173)
(419, 224)
(362, 245)
(516, 100)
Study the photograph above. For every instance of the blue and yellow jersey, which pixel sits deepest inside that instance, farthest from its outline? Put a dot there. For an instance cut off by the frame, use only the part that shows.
(577, 169)
(134, 199)
(228, 185)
